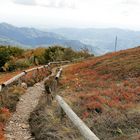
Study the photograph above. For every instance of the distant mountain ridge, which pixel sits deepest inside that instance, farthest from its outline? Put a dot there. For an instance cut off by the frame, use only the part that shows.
(101, 39)
(11, 35)
(98, 41)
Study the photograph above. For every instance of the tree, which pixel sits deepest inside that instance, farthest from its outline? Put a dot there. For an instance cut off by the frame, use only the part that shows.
(38, 55)
(8, 53)
(69, 54)
(15, 51)
(54, 53)
(4, 55)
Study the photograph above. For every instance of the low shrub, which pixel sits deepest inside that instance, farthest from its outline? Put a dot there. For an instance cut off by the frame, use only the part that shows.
(22, 64)
(10, 97)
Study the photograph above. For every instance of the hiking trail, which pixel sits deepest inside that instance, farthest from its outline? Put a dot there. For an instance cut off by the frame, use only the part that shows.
(17, 128)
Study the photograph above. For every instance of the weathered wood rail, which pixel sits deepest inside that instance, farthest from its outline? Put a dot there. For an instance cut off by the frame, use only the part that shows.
(58, 74)
(84, 130)
(15, 78)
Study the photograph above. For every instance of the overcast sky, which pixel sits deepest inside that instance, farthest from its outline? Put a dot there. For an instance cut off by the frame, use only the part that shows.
(71, 13)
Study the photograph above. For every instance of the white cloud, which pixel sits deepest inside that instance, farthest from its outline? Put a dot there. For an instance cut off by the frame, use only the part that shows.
(62, 13)
(131, 2)
(48, 3)
(25, 2)
(57, 3)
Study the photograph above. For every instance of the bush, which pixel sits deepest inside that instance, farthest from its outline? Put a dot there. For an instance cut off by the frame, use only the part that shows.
(22, 64)
(39, 55)
(69, 54)
(15, 51)
(11, 97)
(16, 64)
(11, 65)
(56, 53)
(4, 56)
(7, 53)
(12, 58)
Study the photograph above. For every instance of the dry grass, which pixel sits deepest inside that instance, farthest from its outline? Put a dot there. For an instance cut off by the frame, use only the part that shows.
(103, 85)
(45, 123)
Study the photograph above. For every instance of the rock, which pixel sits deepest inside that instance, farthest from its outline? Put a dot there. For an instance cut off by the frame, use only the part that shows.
(24, 126)
(27, 137)
(24, 85)
(11, 122)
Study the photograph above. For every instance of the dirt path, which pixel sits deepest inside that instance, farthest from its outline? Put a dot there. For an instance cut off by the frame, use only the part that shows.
(17, 127)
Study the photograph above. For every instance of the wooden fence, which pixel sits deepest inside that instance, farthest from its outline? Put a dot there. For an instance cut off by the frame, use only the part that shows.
(15, 78)
(84, 130)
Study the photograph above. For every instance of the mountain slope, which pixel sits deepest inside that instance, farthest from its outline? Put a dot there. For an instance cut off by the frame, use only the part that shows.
(105, 92)
(11, 35)
(103, 39)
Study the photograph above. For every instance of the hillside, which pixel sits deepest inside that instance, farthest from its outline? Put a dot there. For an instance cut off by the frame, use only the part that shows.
(101, 39)
(105, 92)
(31, 37)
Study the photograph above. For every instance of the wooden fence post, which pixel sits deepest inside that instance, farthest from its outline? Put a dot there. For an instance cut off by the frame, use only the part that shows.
(1, 96)
(84, 130)
(19, 81)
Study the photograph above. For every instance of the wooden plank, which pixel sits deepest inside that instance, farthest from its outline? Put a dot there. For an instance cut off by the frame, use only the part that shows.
(84, 130)
(65, 62)
(13, 79)
(41, 67)
(27, 71)
(30, 70)
(58, 74)
(45, 66)
(59, 62)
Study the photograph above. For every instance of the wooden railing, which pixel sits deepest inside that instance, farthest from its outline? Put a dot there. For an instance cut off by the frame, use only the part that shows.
(84, 130)
(15, 78)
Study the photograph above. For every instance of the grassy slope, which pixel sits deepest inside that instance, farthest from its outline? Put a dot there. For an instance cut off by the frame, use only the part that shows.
(105, 92)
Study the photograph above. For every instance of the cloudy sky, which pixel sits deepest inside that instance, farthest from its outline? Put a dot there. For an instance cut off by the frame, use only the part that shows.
(71, 13)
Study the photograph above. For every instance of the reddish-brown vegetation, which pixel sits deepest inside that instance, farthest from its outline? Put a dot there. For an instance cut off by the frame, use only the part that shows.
(6, 76)
(4, 115)
(105, 84)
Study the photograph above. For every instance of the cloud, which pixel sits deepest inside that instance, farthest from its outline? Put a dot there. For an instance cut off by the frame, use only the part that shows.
(130, 2)
(57, 3)
(25, 2)
(48, 3)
